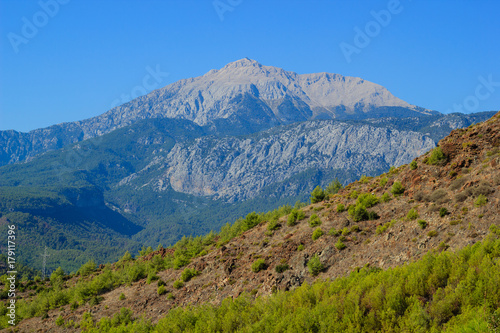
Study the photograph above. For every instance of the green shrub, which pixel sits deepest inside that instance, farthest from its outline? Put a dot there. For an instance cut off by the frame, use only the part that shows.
(259, 265)
(381, 229)
(413, 165)
(367, 200)
(383, 181)
(317, 234)
(412, 214)
(495, 230)
(340, 208)
(273, 225)
(188, 274)
(251, 220)
(443, 212)
(281, 268)
(317, 195)
(334, 232)
(294, 216)
(334, 187)
(160, 283)
(354, 194)
(300, 247)
(122, 296)
(397, 189)
(422, 224)
(481, 200)
(162, 290)
(170, 296)
(436, 156)
(87, 269)
(432, 233)
(355, 228)
(151, 277)
(314, 221)
(385, 197)
(315, 266)
(178, 284)
(60, 321)
(340, 245)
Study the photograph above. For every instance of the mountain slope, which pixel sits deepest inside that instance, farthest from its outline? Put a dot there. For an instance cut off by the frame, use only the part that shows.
(446, 199)
(165, 178)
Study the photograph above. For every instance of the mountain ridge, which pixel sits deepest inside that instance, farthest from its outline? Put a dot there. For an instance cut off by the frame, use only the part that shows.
(214, 99)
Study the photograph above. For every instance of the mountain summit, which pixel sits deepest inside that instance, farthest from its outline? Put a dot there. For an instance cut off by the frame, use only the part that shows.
(242, 97)
(276, 96)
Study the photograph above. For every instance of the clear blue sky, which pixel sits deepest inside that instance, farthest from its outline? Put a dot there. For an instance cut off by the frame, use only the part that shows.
(87, 56)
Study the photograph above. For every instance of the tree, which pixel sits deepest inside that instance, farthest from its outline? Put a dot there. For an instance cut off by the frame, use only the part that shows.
(334, 187)
(317, 195)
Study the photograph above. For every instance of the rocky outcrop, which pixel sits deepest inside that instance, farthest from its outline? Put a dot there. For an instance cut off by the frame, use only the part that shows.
(238, 168)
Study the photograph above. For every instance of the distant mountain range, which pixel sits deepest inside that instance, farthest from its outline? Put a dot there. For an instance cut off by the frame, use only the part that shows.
(200, 152)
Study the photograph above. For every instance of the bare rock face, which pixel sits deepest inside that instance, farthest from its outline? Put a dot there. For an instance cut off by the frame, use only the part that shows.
(235, 168)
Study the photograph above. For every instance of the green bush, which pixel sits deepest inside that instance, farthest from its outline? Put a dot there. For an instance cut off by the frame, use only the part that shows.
(334, 232)
(385, 197)
(315, 266)
(334, 187)
(413, 165)
(317, 234)
(294, 216)
(281, 268)
(381, 229)
(359, 213)
(397, 189)
(151, 277)
(60, 321)
(340, 245)
(443, 212)
(314, 221)
(317, 195)
(251, 220)
(367, 200)
(412, 214)
(259, 265)
(432, 233)
(162, 290)
(436, 156)
(273, 224)
(300, 247)
(122, 296)
(340, 208)
(354, 194)
(187, 274)
(178, 284)
(422, 224)
(481, 200)
(383, 181)
(87, 269)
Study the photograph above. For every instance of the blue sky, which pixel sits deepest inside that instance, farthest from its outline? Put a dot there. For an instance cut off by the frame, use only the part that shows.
(83, 57)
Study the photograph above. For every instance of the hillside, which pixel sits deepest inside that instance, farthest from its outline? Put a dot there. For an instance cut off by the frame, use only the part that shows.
(159, 179)
(443, 201)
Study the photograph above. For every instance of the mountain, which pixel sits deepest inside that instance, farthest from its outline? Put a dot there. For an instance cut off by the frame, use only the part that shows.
(242, 97)
(201, 152)
(413, 249)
